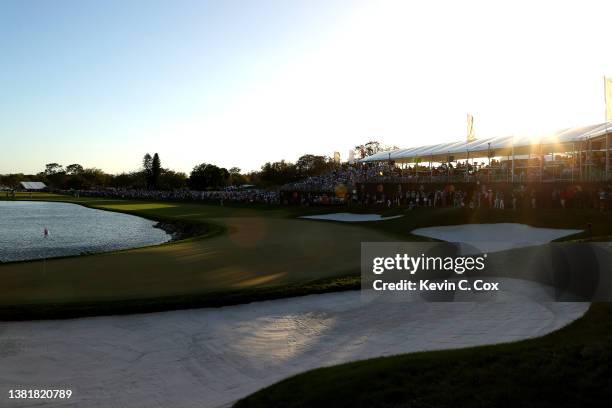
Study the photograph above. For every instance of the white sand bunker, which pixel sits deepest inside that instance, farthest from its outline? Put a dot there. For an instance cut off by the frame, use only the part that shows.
(350, 217)
(494, 237)
(212, 357)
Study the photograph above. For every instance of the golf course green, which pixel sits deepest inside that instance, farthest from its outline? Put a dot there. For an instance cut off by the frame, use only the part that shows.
(245, 253)
(241, 251)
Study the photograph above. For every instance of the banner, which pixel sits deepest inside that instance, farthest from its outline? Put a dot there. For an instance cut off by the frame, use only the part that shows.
(470, 128)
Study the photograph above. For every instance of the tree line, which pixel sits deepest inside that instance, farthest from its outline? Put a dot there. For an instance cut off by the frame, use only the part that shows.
(205, 176)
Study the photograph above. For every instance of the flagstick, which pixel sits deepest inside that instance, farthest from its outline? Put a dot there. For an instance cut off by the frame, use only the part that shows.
(45, 255)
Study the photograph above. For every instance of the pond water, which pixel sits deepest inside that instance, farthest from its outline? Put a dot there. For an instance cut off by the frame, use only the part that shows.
(72, 230)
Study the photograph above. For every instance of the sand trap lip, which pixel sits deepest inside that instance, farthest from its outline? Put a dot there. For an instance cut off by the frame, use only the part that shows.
(494, 237)
(212, 357)
(350, 217)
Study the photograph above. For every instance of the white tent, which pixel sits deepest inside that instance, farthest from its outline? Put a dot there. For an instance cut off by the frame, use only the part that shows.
(33, 185)
(567, 140)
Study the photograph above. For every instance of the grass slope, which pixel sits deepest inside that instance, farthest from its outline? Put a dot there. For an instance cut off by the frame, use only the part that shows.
(263, 252)
(248, 253)
(568, 368)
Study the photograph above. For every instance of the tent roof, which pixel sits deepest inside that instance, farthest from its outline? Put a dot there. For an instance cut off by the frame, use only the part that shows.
(560, 141)
(33, 185)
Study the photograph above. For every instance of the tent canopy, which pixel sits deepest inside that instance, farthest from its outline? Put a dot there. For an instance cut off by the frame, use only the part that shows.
(558, 142)
(33, 185)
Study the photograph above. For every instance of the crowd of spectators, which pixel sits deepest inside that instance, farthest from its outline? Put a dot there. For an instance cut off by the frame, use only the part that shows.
(481, 196)
(573, 196)
(385, 172)
(219, 196)
(557, 168)
(328, 182)
(346, 185)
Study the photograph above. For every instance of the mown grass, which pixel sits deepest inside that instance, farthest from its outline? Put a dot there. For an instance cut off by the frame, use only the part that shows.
(249, 252)
(263, 252)
(568, 368)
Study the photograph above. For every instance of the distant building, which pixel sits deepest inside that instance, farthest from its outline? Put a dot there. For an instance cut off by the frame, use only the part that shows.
(33, 185)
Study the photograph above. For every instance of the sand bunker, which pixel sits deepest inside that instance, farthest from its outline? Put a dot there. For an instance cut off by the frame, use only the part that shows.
(349, 217)
(212, 357)
(494, 237)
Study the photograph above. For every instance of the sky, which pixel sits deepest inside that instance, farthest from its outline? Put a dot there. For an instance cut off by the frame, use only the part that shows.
(239, 83)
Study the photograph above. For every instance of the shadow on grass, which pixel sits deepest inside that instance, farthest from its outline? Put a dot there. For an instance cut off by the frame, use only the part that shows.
(159, 304)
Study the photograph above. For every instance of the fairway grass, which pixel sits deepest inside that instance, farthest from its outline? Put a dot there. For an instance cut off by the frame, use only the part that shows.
(257, 255)
(248, 253)
(252, 253)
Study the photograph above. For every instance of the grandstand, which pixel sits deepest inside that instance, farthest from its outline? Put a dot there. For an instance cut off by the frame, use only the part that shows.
(575, 154)
(33, 185)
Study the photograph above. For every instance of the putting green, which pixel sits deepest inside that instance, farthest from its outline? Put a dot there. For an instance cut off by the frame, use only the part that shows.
(251, 253)
(256, 249)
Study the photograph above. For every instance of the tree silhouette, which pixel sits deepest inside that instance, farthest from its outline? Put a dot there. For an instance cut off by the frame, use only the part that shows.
(156, 170)
(147, 164)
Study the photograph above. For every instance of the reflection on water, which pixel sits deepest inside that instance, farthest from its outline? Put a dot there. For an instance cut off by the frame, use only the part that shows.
(73, 229)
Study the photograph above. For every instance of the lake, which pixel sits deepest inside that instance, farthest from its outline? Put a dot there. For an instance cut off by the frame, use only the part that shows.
(72, 230)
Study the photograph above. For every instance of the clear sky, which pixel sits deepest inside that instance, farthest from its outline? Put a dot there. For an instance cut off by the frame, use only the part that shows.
(238, 83)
